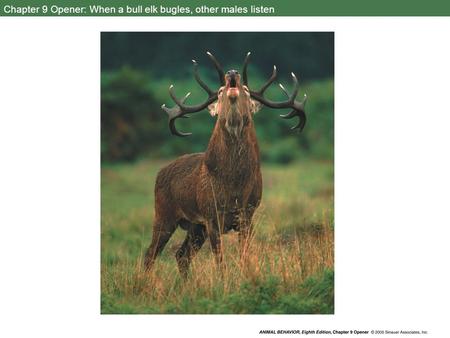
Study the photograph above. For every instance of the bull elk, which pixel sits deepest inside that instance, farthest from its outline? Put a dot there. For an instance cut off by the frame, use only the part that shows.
(211, 193)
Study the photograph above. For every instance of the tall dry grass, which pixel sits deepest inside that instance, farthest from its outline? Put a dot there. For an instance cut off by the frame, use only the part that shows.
(293, 242)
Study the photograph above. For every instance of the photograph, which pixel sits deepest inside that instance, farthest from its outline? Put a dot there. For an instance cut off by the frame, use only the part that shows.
(217, 173)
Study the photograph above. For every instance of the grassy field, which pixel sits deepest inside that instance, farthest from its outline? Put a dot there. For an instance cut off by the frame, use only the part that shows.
(291, 260)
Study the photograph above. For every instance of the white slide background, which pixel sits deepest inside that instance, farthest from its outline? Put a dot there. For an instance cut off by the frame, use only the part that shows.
(392, 178)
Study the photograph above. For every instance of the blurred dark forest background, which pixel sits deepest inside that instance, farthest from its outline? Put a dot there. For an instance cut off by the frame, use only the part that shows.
(137, 69)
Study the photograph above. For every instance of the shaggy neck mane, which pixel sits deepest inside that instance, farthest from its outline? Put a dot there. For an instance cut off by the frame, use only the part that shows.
(232, 150)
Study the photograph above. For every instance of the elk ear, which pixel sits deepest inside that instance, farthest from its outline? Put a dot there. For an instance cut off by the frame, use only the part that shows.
(255, 106)
(213, 109)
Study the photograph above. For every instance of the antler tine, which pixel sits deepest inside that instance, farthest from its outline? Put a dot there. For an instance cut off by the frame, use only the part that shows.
(174, 130)
(244, 69)
(299, 110)
(270, 81)
(174, 97)
(283, 89)
(298, 107)
(296, 88)
(181, 109)
(174, 113)
(219, 68)
(301, 119)
(199, 80)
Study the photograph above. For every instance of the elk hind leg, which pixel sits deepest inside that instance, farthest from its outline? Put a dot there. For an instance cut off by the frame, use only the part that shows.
(195, 238)
(246, 232)
(161, 235)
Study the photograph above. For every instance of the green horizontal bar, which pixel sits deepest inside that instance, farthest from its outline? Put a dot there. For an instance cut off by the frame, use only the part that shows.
(225, 8)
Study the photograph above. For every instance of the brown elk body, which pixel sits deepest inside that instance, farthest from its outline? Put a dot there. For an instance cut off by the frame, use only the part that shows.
(211, 193)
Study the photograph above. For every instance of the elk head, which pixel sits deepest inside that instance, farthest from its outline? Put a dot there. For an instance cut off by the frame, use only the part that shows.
(234, 102)
(234, 106)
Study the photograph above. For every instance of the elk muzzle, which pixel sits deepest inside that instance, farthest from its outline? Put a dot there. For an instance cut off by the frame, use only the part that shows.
(232, 83)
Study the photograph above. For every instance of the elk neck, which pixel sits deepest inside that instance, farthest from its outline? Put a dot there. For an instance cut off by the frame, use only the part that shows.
(232, 152)
(233, 122)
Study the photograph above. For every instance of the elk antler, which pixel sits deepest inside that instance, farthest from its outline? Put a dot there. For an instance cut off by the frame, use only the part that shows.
(180, 109)
(219, 68)
(298, 107)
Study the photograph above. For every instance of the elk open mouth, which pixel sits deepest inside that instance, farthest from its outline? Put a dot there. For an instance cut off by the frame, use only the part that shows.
(232, 82)
(232, 88)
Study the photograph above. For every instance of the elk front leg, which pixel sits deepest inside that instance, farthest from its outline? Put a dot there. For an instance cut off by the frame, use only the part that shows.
(216, 243)
(245, 234)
